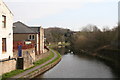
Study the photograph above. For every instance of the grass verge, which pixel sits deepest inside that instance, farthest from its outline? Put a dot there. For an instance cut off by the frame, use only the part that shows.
(39, 62)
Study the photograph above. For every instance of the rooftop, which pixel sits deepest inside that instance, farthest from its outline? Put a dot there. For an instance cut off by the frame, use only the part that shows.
(20, 27)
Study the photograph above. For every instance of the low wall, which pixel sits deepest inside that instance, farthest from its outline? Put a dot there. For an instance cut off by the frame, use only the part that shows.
(45, 54)
(7, 66)
(28, 56)
(41, 70)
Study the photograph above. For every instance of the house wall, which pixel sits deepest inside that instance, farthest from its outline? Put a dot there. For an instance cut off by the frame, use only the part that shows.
(41, 40)
(22, 37)
(6, 32)
(37, 43)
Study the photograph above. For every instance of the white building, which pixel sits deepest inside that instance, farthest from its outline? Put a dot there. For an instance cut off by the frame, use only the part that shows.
(6, 32)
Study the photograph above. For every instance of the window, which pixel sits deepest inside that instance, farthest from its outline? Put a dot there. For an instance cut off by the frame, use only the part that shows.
(31, 37)
(3, 21)
(3, 44)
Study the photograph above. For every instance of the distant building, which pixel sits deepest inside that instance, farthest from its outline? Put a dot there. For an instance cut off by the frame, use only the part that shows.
(6, 32)
(22, 32)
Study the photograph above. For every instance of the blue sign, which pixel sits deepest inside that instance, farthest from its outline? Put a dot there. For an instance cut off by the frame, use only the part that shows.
(19, 51)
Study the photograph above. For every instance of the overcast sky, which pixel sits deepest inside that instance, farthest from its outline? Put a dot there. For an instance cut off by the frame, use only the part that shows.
(72, 14)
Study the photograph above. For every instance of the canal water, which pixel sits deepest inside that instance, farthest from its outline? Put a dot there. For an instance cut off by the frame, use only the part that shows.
(78, 66)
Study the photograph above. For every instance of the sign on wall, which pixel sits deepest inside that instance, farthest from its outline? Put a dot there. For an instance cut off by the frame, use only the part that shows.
(28, 42)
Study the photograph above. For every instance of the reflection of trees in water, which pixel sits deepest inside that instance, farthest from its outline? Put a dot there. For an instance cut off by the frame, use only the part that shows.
(63, 50)
(114, 69)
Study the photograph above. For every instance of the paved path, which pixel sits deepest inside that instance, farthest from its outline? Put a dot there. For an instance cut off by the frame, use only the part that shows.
(37, 67)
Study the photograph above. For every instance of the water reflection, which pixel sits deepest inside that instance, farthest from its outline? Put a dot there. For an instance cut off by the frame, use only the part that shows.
(63, 50)
(78, 66)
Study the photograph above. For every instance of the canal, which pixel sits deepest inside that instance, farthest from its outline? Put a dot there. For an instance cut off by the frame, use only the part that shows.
(78, 66)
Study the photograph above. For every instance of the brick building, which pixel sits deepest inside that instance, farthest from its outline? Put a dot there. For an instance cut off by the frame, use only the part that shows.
(22, 32)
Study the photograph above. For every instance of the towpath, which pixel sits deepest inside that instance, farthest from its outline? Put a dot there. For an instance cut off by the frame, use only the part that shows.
(37, 67)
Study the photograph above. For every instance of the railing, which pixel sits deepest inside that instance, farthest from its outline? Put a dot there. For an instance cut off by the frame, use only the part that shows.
(7, 59)
(46, 48)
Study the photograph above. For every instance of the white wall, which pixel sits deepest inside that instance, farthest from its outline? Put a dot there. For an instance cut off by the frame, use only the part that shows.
(42, 40)
(6, 32)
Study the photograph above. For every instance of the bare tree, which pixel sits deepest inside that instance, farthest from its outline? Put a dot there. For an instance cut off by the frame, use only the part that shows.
(90, 28)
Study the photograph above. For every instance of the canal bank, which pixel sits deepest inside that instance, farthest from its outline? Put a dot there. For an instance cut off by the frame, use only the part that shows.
(39, 67)
(108, 56)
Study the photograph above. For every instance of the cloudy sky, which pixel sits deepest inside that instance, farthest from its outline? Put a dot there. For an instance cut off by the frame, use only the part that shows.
(72, 14)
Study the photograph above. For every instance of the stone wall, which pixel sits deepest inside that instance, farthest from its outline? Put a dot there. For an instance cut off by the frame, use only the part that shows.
(31, 51)
(7, 66)
(28, 57)
(28, 61)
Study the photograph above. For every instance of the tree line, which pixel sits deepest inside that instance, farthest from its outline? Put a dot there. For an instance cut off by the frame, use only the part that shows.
(56, 34)
(91, 39)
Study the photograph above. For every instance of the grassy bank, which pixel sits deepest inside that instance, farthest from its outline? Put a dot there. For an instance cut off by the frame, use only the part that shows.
(39, 62)
(110, 56)
(18, 71)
